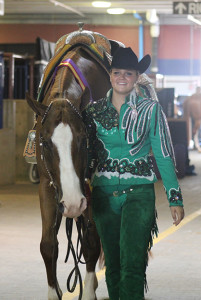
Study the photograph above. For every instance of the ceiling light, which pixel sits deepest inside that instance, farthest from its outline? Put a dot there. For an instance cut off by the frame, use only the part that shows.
(191, 18)
(57, 3)
(116, 11)
(151, 16)
(101, 4)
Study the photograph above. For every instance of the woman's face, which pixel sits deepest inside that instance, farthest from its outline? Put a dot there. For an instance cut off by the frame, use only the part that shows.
(123, 81)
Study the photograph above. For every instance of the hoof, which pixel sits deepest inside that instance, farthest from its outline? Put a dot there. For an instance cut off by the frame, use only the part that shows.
(52, 294)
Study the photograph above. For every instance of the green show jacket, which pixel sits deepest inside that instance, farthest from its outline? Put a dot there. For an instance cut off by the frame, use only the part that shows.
(120, 144)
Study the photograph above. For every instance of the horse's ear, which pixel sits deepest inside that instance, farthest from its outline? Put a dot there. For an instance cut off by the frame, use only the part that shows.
(84, 99)
(106, 62)
(37, 107)
(115, 45)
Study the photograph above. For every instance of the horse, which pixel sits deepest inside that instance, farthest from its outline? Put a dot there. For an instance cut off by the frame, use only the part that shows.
(74, 76)
(192, 111)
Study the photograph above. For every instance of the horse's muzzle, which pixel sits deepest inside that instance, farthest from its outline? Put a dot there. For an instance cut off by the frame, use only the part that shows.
(72, 211)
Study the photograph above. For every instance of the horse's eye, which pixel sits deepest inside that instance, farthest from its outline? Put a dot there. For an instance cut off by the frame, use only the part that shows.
(47, 144)
(84, 142)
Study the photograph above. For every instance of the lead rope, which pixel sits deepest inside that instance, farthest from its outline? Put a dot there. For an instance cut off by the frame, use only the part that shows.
(76, 255)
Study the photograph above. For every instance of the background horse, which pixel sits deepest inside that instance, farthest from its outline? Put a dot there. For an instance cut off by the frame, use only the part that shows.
(192, 114)
(61, 145)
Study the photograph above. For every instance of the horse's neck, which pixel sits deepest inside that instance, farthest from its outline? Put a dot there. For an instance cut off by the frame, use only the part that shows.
(96, 75)
(66, 86)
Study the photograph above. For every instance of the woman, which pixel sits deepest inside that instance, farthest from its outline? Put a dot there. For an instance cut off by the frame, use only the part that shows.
(123, 128)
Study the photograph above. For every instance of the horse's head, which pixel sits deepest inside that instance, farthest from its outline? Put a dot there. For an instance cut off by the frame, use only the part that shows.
(62, 152)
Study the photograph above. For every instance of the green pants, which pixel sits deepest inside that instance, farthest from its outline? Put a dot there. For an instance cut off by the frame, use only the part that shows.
(125, 224)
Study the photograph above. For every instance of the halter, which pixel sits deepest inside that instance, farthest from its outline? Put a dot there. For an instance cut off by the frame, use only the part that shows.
(43, 156)
(46, 112)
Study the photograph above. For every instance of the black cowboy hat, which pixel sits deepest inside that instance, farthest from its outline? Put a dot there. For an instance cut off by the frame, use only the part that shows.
(125, 58)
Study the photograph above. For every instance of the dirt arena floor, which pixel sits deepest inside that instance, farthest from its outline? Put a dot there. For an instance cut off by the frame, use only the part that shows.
(174, 272)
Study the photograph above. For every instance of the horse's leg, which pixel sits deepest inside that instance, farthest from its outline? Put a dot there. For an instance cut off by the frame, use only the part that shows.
(196, 135)
(49, 242)
(91, 252)
(186, 114)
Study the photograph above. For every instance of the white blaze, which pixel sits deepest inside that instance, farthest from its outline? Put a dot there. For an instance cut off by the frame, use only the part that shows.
(52, 294)
(62, 138)
(90, 286)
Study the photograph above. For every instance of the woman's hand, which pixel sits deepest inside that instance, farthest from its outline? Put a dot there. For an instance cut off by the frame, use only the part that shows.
(177, 214)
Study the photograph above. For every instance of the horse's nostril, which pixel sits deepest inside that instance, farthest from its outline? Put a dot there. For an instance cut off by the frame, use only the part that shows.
(83, 204)
(61, 208)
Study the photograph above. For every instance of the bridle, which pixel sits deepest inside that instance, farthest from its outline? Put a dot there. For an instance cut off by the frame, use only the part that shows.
(74, 108)
(69, 221)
